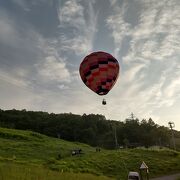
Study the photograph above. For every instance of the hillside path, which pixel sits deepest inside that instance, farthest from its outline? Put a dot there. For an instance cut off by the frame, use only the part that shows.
(170, 177)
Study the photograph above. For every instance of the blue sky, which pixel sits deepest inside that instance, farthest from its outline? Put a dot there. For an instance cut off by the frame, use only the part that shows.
(43, 42)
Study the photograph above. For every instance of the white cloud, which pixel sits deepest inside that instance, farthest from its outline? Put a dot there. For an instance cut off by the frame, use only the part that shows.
(72, 14)
(15, 78)
(17, 93)
(18, 36)
(82, 22)
(23, 4)
(132, 73)
(150, 80)
(49, 64)
(112, 2)
(156, 36)
(120, 28)
(52, 69)
(173, 89)
(79, 44)
(150, 47)
(8, 32)
(62, 86)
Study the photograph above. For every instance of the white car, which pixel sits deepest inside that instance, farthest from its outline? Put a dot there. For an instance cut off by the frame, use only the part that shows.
(133, 176)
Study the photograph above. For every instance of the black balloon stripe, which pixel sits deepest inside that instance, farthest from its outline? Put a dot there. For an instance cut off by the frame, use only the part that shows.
(103, 62)
(102, 91)
(87, 73)
(94, 67)
(112, 60)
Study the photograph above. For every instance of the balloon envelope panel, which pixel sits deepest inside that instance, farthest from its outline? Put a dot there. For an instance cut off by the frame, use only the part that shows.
(99, 72)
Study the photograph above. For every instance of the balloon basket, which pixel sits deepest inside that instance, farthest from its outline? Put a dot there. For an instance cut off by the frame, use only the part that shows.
(103, 102)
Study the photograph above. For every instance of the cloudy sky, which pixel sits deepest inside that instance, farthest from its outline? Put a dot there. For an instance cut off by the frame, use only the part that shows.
(42, 43)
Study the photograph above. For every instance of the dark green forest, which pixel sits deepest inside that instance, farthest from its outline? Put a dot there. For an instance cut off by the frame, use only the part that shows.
(91, 129)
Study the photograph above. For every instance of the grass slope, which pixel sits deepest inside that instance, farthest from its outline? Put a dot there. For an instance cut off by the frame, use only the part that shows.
(34, 155)
(16, 171)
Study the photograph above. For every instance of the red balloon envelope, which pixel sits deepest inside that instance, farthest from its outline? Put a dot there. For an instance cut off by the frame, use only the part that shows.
(99, 72)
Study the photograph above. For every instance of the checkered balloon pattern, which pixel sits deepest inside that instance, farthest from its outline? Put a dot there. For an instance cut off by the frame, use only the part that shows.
(99, 72)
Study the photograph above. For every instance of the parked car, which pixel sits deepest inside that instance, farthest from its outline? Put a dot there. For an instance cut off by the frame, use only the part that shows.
(133, 176)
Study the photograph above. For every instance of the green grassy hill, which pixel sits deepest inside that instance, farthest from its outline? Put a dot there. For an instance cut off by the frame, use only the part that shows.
(29, 155)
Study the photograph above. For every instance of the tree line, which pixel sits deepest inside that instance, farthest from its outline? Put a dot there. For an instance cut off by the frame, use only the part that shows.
(92, 129)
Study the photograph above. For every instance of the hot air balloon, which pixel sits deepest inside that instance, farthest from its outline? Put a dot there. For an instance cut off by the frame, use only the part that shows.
(99, 72)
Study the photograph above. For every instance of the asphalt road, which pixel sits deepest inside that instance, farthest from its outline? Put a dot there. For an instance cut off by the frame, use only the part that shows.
(170, 177)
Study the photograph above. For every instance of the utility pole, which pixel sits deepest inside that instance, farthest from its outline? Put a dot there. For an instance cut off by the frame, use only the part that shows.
(115, 137)
(172, 125)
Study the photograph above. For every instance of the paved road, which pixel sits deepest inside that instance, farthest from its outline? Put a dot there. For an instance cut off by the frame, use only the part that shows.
(170, 177)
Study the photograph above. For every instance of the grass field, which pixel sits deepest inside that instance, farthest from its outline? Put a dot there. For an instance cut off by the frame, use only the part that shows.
(29, 155)
(16, 171)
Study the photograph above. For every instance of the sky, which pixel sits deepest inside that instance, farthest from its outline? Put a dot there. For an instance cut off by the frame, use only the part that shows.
(43, 42)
